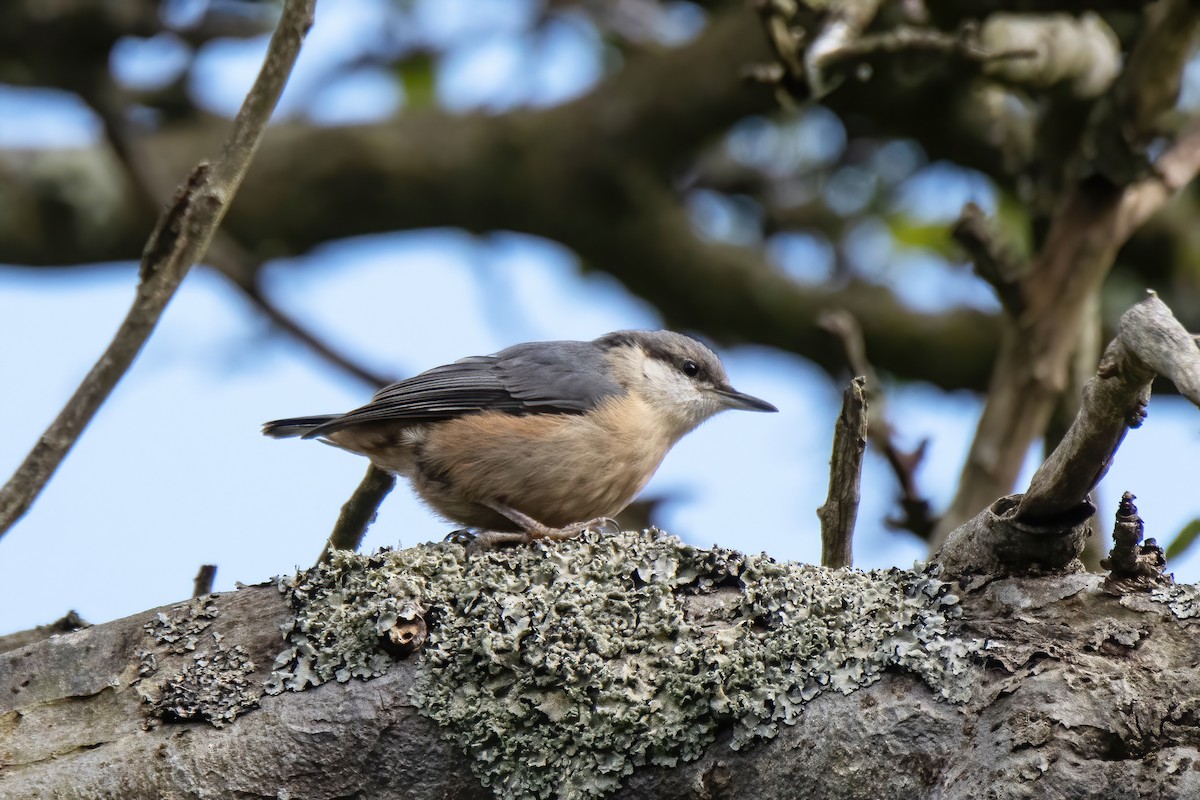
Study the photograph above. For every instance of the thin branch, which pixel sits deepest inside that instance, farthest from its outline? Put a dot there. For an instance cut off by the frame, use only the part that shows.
(203, 584)
(359, 512)
(840, 510)
(293, 327)
(180, 238)
(1149, 342)
(918, 517)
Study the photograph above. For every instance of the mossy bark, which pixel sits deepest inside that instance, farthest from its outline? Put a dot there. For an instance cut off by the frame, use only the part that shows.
(1073, 692)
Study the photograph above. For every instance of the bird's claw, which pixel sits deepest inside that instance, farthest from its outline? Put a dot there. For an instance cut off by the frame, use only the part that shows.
(463, 536)
(490, 540)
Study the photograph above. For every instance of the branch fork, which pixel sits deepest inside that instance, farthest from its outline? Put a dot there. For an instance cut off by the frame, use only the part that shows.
(1044, 529)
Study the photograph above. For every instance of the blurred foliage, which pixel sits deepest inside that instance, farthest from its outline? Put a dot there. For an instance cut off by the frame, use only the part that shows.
(1183, 541)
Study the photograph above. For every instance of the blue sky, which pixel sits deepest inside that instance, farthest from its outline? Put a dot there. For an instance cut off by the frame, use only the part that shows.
(173, 472)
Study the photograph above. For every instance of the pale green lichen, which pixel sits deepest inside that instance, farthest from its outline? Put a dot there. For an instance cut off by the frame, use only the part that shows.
(1183, 599)
(216, 682)
(559, 668)
(216, 686)
(179, 630)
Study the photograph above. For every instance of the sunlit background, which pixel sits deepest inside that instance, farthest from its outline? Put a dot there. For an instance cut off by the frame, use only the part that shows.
(173, 472)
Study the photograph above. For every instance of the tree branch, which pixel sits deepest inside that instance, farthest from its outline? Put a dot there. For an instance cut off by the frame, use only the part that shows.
(1044, 529)
(359, 512)
(1149, 342)
(840, 509)
(621, 669)
(917, 516)
(1032, 368)
(180, 238)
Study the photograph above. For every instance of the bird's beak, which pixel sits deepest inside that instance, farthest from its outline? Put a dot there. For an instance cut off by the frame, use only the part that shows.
(735, 399)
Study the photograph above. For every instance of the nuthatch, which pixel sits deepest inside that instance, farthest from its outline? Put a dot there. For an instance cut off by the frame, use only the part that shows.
(543, 439)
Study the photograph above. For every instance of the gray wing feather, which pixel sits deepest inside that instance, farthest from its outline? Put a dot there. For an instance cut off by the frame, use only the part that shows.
(536, 377)
(564, 376)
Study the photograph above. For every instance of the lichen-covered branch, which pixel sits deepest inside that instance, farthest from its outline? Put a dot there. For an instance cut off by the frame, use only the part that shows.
(179, 239)
(629, 666)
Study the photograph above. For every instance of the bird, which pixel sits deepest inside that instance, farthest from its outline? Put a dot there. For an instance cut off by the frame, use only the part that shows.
(541, 440)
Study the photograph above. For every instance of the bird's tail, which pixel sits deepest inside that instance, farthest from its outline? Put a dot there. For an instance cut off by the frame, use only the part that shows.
(296, 426)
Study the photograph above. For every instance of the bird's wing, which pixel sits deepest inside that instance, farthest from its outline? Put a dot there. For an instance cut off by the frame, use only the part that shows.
(537, 377)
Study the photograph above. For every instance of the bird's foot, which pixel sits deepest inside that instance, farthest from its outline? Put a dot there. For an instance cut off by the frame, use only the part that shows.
(463, 536)
(601, 525)
(532, 530)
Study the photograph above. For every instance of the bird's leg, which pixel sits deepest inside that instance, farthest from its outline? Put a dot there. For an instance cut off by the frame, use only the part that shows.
(532, 529)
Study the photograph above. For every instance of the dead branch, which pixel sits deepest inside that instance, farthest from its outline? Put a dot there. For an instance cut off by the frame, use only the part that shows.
(359, 512)
(203, 583)
(1135, 566)
(917, 516)
(180, 238)
(840, 510)
(1045, 528)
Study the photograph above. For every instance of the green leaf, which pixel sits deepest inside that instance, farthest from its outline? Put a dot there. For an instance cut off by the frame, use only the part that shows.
(1183, 540)
(910, 234)
(418, 73)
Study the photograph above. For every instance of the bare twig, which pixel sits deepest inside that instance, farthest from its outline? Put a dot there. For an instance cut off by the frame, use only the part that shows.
(1149, 342)
(917, 516)
(180, 238)
(845, 473)
(203, 583)
(225, 253)
(253, 291)
(359, 512)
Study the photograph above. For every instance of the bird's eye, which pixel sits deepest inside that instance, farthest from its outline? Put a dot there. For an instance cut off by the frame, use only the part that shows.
(689, 368)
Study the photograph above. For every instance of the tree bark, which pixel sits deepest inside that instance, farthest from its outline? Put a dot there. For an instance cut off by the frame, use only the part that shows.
(1068, 690)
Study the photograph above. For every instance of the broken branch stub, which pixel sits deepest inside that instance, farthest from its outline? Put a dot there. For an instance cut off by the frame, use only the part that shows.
(1045, 528)
(840, 510)
(1133, 565)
